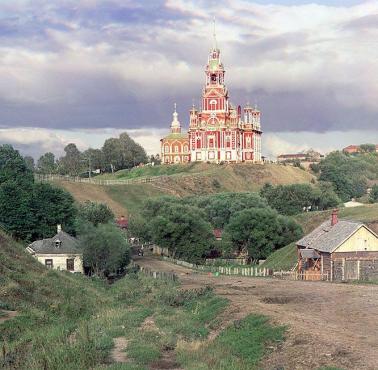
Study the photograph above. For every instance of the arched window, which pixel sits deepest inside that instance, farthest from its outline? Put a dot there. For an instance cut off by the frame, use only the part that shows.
(176, 149)
(166, 149)
(185, 148)
(198, 143)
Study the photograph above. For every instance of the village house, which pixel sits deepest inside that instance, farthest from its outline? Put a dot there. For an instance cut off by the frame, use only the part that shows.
(61, 252)
(309, 156)
(338, 250)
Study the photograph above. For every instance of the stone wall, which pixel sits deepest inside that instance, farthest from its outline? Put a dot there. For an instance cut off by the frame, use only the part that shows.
(369, 270)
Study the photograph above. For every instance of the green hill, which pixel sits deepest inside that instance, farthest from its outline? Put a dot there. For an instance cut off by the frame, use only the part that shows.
(286, 257)
(182, 180)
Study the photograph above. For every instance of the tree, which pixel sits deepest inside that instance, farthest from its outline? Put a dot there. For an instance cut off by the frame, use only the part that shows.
(96, 213)
(112, 150)
(349, 174)
(105, 249)
(94, 159)
(220, 207)
(72, 163)
(123, 153)
(367, 148)
(30, 211)
(30, 163)
(374, 194)
(13, 167)
(46, 164)
(289, 199)
(180, 228)
(51, 206)
(261, 231)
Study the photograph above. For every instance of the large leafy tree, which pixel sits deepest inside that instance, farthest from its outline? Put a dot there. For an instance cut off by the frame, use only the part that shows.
(96, 213)
(293, 199)
(349, 175)
(46, 163)
(72, 163)
(261, 231)
(105, 249)
(180, 228)
(30, 210)
(220, 207)
(123, 152)
(51, 206)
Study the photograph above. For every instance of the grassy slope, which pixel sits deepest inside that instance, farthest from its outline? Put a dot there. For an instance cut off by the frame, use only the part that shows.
(68, 322)
(194, 178)
(285, 258)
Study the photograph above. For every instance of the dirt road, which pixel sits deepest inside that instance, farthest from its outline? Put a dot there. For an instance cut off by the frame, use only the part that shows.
(328, 324)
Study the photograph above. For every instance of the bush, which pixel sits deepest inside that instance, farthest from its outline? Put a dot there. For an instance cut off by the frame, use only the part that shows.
(374, 194)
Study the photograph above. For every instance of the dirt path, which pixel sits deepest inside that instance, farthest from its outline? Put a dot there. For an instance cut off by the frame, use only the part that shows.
(118, 353)
(8, 315)
(328, 323)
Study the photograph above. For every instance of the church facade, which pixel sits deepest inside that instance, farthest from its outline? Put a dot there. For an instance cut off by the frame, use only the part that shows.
(218, 131)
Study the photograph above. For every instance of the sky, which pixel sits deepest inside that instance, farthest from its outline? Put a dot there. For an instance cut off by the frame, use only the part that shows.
(83, 71)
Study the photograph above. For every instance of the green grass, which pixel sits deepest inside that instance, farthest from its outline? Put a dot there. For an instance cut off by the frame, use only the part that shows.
(151, 171)
(239, 347)
(132, 197)
(283, 259)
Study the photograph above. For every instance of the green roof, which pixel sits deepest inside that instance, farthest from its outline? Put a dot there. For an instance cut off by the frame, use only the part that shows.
(176, 136)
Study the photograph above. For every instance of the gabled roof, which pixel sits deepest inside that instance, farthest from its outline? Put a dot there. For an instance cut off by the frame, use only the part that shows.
(327, 238)
(68, 245)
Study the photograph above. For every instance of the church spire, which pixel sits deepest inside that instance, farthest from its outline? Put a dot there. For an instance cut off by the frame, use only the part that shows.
(175, 125)
(215, 46)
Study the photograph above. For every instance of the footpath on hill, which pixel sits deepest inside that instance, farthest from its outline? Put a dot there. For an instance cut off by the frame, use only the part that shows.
(328, 323)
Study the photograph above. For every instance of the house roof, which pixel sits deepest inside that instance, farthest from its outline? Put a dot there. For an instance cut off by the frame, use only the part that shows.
(68, 245)
(326, 238)
(122, 222)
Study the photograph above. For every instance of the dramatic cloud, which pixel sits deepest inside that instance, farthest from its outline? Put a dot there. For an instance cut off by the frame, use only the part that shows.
(85, 65)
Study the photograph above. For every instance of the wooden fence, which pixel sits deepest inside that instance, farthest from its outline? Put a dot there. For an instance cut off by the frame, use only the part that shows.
(158, 274)
(103, 182)
(295, 275)
(240, 271)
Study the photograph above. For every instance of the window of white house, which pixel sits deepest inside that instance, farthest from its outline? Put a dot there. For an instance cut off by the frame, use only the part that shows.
(70, 264)
(176, 149)
(49, 263)
(185, 148)
(166, 149)
(58, 244)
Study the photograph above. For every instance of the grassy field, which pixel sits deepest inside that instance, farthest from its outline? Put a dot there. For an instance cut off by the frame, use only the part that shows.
(182, 180)
(70, 322)
(286, 257)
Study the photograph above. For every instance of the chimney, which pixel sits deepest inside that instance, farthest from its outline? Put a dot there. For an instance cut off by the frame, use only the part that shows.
(334, 217)
(59, 228)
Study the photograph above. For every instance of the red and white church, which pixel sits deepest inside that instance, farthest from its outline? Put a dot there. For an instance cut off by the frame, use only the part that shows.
(218, 131)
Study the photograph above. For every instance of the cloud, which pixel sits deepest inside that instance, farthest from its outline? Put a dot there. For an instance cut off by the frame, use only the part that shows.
(118, 64)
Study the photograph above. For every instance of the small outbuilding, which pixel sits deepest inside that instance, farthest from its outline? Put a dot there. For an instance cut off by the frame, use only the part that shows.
(61, 252)
(338, 250)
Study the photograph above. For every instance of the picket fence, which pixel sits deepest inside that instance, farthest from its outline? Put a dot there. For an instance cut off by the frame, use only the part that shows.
(222, 270)
(161, 275)
(94, 181)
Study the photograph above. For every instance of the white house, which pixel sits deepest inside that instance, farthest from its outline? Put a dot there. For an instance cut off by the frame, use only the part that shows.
(60, 252)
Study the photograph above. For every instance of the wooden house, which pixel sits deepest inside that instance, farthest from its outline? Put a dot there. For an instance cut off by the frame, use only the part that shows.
(338, 250)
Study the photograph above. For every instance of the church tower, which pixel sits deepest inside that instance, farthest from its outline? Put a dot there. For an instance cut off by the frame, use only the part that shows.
(175, 146)
(218, 131)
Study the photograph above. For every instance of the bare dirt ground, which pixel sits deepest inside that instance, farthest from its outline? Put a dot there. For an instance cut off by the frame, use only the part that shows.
(328, 324)
(94, 193)
(7, 315)
(118, 353)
